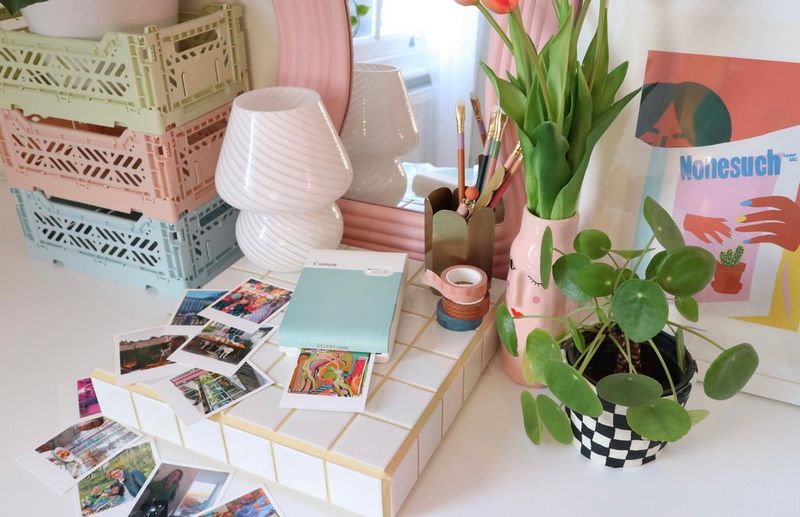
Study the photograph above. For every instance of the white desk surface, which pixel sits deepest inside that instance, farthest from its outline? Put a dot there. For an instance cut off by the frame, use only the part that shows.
(58, 325)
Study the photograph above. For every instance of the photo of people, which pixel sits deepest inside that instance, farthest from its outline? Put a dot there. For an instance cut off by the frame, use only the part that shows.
(256, 503)
(118, 481)
(143, 355)
(180, 490)
(195, 300)
(249, 305)
(220, 348)
(197, 393)
(87, 400)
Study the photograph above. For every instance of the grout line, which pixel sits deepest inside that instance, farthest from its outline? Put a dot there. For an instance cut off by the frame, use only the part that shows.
(408, 383)
(274, 460)
(342, 432)
(224, 443)
(283, 420)
(327, 481)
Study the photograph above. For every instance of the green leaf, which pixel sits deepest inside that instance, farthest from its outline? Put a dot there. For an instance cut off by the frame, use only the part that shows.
(530, 417)
(662, 420)
(596, 279)
(511, 99)
(640, 308)
(625, 274)
(581, 120)
(688, 308)
(13, 6)
(662, 224)
(564, 271)
(629, 389)
(577, 336)
(697, 415)
(546, 257)
(540, 347)
(592, 243)
(613, 81)
(554, 419)
(655, 262)
(557, 56)
(520, 39)
(362, 9)
(687, 270)
(680, 349)
(506, 329)
(353, 21)
(544, 151)
(730, 371)
(630, 254)
(572, 389)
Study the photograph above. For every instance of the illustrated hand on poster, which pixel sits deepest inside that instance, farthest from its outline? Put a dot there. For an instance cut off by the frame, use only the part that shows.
(780, 226)
(707, 227)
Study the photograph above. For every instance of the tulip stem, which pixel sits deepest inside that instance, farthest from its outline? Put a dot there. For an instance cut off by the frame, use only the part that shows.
(500, 32)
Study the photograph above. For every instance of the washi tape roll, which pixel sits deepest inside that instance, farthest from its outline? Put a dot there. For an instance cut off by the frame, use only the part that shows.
(462, 284)
(460, 311)
(454, 324)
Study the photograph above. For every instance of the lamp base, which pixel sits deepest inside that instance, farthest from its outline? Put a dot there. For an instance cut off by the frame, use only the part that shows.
(381, 181)
(282, 242)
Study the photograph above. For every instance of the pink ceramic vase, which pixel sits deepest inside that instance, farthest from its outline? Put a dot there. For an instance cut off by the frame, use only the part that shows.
(525, 294)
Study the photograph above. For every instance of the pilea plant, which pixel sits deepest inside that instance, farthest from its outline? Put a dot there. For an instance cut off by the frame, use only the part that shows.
(621, 314)
(14, 6)
(731, 257)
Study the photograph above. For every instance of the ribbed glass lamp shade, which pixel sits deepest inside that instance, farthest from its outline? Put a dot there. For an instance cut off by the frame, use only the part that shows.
(281, 154)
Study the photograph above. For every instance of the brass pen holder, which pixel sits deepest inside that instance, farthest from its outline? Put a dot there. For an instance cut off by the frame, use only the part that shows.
(452, 240)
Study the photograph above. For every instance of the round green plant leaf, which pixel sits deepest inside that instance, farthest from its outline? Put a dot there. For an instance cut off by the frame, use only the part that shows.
(697, 415)
(592, 243)
(596, 279)
(730, 371)
(685, 271)
(629, 389)
(662, 420)
(564, 271)
(662, 224)
(546, 257)
(655, 262)
(554, 419)
(530, 417)
(640, 309)
(688, 308)
(506, 329)
(577, 336)
(540, 347)
(572, 389)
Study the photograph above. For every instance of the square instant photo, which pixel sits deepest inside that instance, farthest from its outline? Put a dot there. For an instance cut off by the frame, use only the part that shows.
(220, 348)
(179, 490)
(188, 312)
(197, 394)
(329, 380)
(249, 305)
(255, 503)
(112, 489)
(142, 354)
(75, 452)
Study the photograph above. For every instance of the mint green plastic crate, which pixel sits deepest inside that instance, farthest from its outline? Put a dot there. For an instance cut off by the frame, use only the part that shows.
(145, 82)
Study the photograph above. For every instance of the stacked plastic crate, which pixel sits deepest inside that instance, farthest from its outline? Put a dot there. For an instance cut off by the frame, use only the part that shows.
(110, 147)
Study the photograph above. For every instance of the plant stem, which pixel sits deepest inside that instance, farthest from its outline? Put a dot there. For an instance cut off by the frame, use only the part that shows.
(690, 330)
(489, 18)
(666, 370)
(627, 356)
(593, 348)
(641, 257)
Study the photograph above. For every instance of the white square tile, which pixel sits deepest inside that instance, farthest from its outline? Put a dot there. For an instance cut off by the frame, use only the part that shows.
(157, 418)
(452, 401)
(228, 279)
(430, 436)
(300, 471)
(447, 342)
(472, 371)
(618, 454)
(490, 343)
(423, 368)
(116, 403)
(204, 437)
(605, 441)
(497, 290)
(249, 452)
(262, 408)
(291, 277)
(318, 428)
(266, 356)
(420, 300)
(399, 403)
(398, 351)
(371, 441)
(244, 264)
(409, 326)
(282, 370)
(354, 491)
(404, 478)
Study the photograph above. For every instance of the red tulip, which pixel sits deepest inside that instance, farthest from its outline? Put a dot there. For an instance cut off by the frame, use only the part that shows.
(467, 2)
(501, 6)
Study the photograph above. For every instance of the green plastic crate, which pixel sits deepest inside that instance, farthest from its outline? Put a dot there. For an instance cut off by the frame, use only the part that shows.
(145, 82)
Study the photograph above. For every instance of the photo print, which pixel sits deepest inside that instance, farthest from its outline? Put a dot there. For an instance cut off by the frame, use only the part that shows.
(332, 380)
(256, 503)
(76, 451)
(197, 394)
(249, 305)
(179, 490)
(142, 355)
(87, 399)
(195, 300)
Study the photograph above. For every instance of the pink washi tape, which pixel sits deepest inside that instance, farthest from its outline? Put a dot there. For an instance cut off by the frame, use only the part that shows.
(462, 284)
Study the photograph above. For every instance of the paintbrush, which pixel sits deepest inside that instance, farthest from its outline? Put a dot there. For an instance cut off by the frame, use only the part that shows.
(460, 116)
(476, 109)
(513, 164)
(483, 161)
(498, 178)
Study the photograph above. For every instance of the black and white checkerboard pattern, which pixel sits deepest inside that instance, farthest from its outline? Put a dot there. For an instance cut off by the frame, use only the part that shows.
(610, 441)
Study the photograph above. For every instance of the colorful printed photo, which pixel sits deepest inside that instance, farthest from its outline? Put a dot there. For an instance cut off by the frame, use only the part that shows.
(256, 503)
(142, 355)
(329, 379)
(75, 452)
(220, 348)
(197, 393)
(181, 490)
(118, 481)
(194, 301)
(87, 400)
(249, 305)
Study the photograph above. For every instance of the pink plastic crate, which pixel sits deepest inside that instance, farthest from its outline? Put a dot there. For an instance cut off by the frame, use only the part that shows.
(115, 168)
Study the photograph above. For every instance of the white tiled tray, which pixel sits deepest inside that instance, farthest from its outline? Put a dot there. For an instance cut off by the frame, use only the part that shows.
(366, 463)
